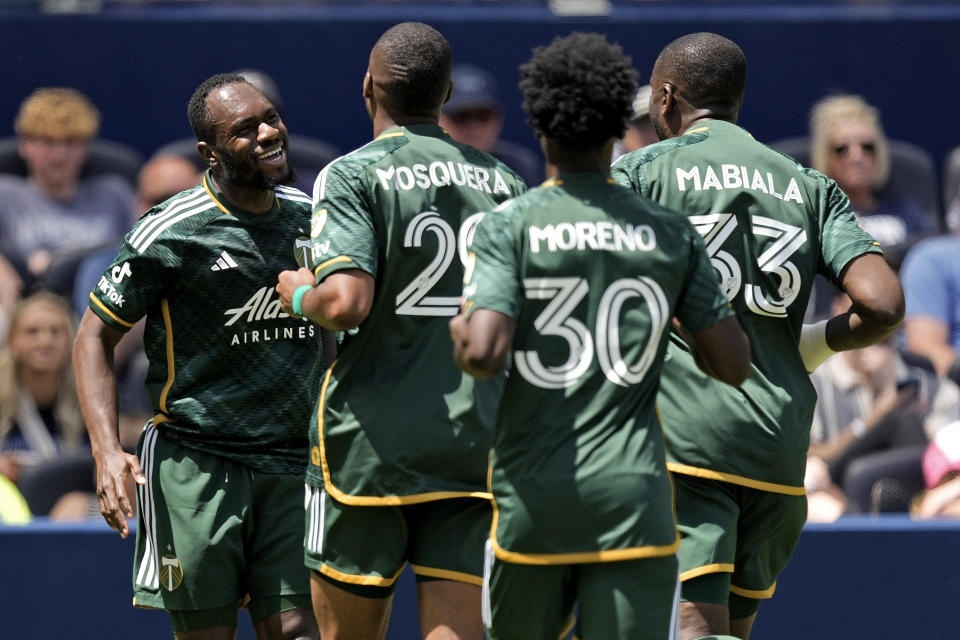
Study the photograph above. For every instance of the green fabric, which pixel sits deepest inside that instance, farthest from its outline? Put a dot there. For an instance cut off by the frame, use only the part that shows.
(398, 417)
(751, 531)
(439, 538)
(616, 600)
(769, 226)
(592, 273)
(211, 531)
(229, 374)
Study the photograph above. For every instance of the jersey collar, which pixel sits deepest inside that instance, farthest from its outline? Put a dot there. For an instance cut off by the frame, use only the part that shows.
(230, 209)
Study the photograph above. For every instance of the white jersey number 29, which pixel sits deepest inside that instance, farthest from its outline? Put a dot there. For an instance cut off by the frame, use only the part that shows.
(414, 299)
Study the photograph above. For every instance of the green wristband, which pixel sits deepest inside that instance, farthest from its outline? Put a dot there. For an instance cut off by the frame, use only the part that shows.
(298, 298)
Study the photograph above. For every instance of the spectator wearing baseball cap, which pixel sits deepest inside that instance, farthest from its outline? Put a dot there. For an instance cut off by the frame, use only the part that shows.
(640, 132)
(474, 116)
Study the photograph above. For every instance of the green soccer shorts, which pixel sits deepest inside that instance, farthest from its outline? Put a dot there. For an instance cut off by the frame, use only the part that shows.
(213, 535)
(363, 549)
(619, 600)
(735, 541)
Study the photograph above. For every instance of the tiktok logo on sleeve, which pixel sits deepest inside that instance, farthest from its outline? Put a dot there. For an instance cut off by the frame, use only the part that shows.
(120, 272)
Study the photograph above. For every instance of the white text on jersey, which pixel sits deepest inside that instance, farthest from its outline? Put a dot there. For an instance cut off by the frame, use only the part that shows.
(260, 306)
(599, 236)
(734, 176)
(441, 174)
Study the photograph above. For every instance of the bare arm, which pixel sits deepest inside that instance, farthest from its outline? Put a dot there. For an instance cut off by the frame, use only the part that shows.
(722, 351)
(341, 302)
(930, 337)
(97, 391)
(482, 343)
(877, 304)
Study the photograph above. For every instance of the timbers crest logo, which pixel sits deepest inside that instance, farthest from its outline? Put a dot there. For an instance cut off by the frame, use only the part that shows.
(171, 571)
(301, 250)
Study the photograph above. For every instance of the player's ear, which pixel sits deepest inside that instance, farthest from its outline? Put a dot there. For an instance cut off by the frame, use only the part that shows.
(368, 85)
(668, 98)
(449, 93)
(208, 154)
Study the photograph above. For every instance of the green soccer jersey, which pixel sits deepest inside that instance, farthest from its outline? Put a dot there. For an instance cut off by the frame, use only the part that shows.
(769, 226)
(592, 274)
(397, 422)
(230, 373)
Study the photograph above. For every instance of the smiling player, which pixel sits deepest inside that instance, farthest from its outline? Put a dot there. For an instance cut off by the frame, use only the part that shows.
(221, 463)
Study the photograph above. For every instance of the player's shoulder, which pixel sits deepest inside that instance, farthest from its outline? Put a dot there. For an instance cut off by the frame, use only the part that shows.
(293, 197)
(177, 217)
(353, 165)
(542, 196)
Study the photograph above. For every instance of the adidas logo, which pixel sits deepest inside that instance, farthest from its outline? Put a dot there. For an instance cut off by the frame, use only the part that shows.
(224, 262)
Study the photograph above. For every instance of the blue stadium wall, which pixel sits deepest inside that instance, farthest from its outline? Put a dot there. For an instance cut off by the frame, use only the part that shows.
(876, 578)
(140, 64)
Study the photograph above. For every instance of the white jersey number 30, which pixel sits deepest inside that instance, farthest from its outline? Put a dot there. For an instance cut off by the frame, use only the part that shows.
(564, 294)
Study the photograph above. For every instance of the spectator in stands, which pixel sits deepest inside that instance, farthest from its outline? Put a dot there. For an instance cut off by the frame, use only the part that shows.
(874, 410)
(474, 116)
(640, 131)
(941, 472)
(52, 210)
(10, 285)
(848, 144)
(39, 412)
(931, 286)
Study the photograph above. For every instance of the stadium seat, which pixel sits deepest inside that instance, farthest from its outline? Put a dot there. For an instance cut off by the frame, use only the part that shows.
(913, 175)
(44, 483)
(106, 156)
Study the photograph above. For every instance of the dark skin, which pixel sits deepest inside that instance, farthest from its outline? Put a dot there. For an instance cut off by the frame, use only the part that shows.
(448, 610)
(249, 152)
(482, 343)
(874, 289)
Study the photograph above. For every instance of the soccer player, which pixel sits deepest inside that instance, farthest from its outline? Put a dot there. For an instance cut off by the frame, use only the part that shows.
(769, 225)
(579, 280)
(220, 465)
(400, 439)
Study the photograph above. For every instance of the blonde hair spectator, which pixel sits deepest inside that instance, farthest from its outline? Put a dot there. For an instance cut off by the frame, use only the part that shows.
(57, 112)
(832, 110)
(35, 368)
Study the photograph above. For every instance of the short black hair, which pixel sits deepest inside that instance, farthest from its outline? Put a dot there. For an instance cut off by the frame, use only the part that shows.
(707, 68)
(578, 91)
(197, 112)
(417, 60)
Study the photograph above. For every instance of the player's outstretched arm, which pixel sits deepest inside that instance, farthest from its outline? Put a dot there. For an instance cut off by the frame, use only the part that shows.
(481, 343)
(876, 311)
(722, 351)
(97, 391)
(340, 303)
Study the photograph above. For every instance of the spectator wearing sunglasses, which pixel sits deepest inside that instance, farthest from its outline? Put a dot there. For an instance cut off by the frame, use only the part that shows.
(848, 145)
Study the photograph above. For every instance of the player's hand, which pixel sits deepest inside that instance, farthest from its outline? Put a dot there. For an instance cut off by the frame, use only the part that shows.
(288, 282)
(116, 506)
(457, 327)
